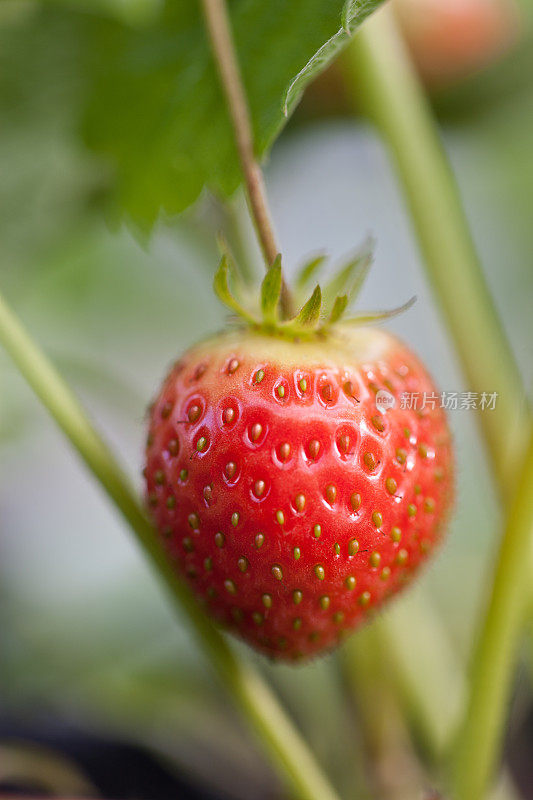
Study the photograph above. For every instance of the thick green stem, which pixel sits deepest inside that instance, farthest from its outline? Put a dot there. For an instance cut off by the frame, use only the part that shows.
(394, 769)
(286, 748)
(426, 673)
(480, 738)
(382, 79)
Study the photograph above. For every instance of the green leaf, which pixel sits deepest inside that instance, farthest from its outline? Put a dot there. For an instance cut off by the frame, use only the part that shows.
(129, 11)
(309, 315)
(354, 12)
(350, 278)
(271, 292)
(156, 111)
(361, 270)
(223, 291)
(309, 269)
(225, 250)
(339, 307)
(379, 316)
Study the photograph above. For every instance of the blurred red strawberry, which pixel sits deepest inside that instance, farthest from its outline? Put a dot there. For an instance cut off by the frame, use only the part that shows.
(452, 39)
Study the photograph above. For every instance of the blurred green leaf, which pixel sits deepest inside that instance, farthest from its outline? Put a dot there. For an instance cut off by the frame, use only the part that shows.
(222, 289)
(310, 313)
(339, 307)
(129, 11)
(156, 108)
(349, 279)
(47, 183)
(271, 292)
(309, 270)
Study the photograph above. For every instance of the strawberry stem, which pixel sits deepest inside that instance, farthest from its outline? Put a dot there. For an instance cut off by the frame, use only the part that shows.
(394, 767)
(223, 47)
(287, 750)
(381, 77)
(481, 735)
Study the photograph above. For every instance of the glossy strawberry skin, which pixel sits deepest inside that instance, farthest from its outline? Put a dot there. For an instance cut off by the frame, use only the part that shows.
(292, 505)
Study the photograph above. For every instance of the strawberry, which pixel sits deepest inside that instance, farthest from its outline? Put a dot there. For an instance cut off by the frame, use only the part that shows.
(449, 41)
(290, 498)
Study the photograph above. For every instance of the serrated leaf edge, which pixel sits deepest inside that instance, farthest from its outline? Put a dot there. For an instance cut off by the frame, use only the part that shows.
(354, 12)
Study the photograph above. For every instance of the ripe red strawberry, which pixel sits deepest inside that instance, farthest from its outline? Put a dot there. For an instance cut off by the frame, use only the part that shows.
(292, 503)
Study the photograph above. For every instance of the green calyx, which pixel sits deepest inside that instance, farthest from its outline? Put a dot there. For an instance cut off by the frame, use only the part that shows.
(317, 315)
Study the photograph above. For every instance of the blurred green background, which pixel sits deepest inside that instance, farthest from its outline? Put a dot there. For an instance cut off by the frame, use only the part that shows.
(86, 634)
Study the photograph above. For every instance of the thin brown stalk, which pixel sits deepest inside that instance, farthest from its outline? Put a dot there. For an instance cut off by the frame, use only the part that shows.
(223, 47)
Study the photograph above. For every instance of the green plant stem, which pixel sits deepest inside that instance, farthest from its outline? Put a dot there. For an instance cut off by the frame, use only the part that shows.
(223, 47)
(381, 78)
(425, 671)
(287, 750)
(480, 737)
(395, 771)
